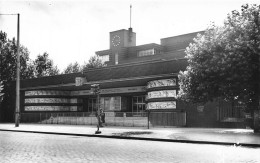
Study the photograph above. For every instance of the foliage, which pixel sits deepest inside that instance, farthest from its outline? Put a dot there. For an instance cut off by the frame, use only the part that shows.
(8, 60)
(72, 68)
(225, 61)
(94, 62)
(44, 66)
(8, 69)
(28, 69)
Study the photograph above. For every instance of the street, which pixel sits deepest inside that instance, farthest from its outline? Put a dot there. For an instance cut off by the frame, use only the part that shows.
(32, 147)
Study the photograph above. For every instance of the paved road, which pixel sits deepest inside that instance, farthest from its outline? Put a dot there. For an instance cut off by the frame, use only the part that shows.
(31, 147)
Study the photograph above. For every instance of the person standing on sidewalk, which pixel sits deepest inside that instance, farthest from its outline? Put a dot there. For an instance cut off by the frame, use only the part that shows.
(103, 116)
(98, 115)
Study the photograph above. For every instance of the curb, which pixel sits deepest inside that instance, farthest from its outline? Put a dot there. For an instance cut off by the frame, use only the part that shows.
(141, 138)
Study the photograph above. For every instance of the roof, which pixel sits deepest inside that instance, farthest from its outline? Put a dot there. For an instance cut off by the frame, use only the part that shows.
(177, 54)
(50, 80)
(136, 69)
(103, 52)
(145, 46)
(132, 48)
(125, 75)
(126, 30)
(183, 36)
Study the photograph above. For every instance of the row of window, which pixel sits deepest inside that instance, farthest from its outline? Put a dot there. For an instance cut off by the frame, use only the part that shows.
(142, 53)
(106, 103)
(53, 100)
(138, 104)
(148, 52)
(105, 58)
(115, 104)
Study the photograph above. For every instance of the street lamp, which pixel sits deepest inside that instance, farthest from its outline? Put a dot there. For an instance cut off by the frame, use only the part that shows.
(17, 104)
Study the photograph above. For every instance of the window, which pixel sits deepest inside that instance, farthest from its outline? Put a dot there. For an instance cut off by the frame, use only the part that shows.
(138, 104)
(148, 52)
(116, 58)
(161, 94)
(162, 105)
(92, 105)
(110, 103)
(104, 58)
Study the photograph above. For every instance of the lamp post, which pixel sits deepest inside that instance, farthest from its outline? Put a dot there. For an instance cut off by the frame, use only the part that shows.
(17, 106)
(17, 103)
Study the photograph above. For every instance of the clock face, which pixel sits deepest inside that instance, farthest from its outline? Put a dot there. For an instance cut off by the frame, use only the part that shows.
(116, 40)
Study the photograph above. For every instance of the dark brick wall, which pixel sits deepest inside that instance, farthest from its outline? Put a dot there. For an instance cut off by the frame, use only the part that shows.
(195, 118)
(157, 57)
(50, 80)
(170, 48)
(208, 117)
(171, 41)
(132, 51)
(136, 70)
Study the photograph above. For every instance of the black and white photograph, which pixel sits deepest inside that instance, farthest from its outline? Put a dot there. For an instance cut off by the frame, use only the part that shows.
(129, 81)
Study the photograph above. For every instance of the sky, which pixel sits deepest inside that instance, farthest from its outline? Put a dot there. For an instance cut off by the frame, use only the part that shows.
(73, 30)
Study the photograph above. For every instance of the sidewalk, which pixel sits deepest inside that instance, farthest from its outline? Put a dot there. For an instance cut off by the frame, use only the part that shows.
(243, 137)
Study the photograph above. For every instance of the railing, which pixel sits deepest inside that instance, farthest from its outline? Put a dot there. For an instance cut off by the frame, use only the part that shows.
(129, 119)
(87, 118)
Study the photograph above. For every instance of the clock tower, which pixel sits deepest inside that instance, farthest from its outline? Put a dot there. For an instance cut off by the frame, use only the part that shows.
(119, 40)
(122, 38)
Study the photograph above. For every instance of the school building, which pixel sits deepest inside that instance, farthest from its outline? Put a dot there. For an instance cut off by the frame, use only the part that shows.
(135, 80)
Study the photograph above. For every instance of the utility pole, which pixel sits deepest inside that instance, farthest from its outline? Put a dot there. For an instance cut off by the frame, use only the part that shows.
(256, 113)
(130, 16)
(17, 107)
(17, 104)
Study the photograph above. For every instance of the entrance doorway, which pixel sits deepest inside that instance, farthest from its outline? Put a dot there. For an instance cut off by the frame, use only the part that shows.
(92, 105)
(138, 104)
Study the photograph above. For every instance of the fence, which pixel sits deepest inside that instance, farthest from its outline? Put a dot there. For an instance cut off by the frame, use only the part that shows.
(86, 118)
(167, 119)
(234, 113)
(111, 119)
